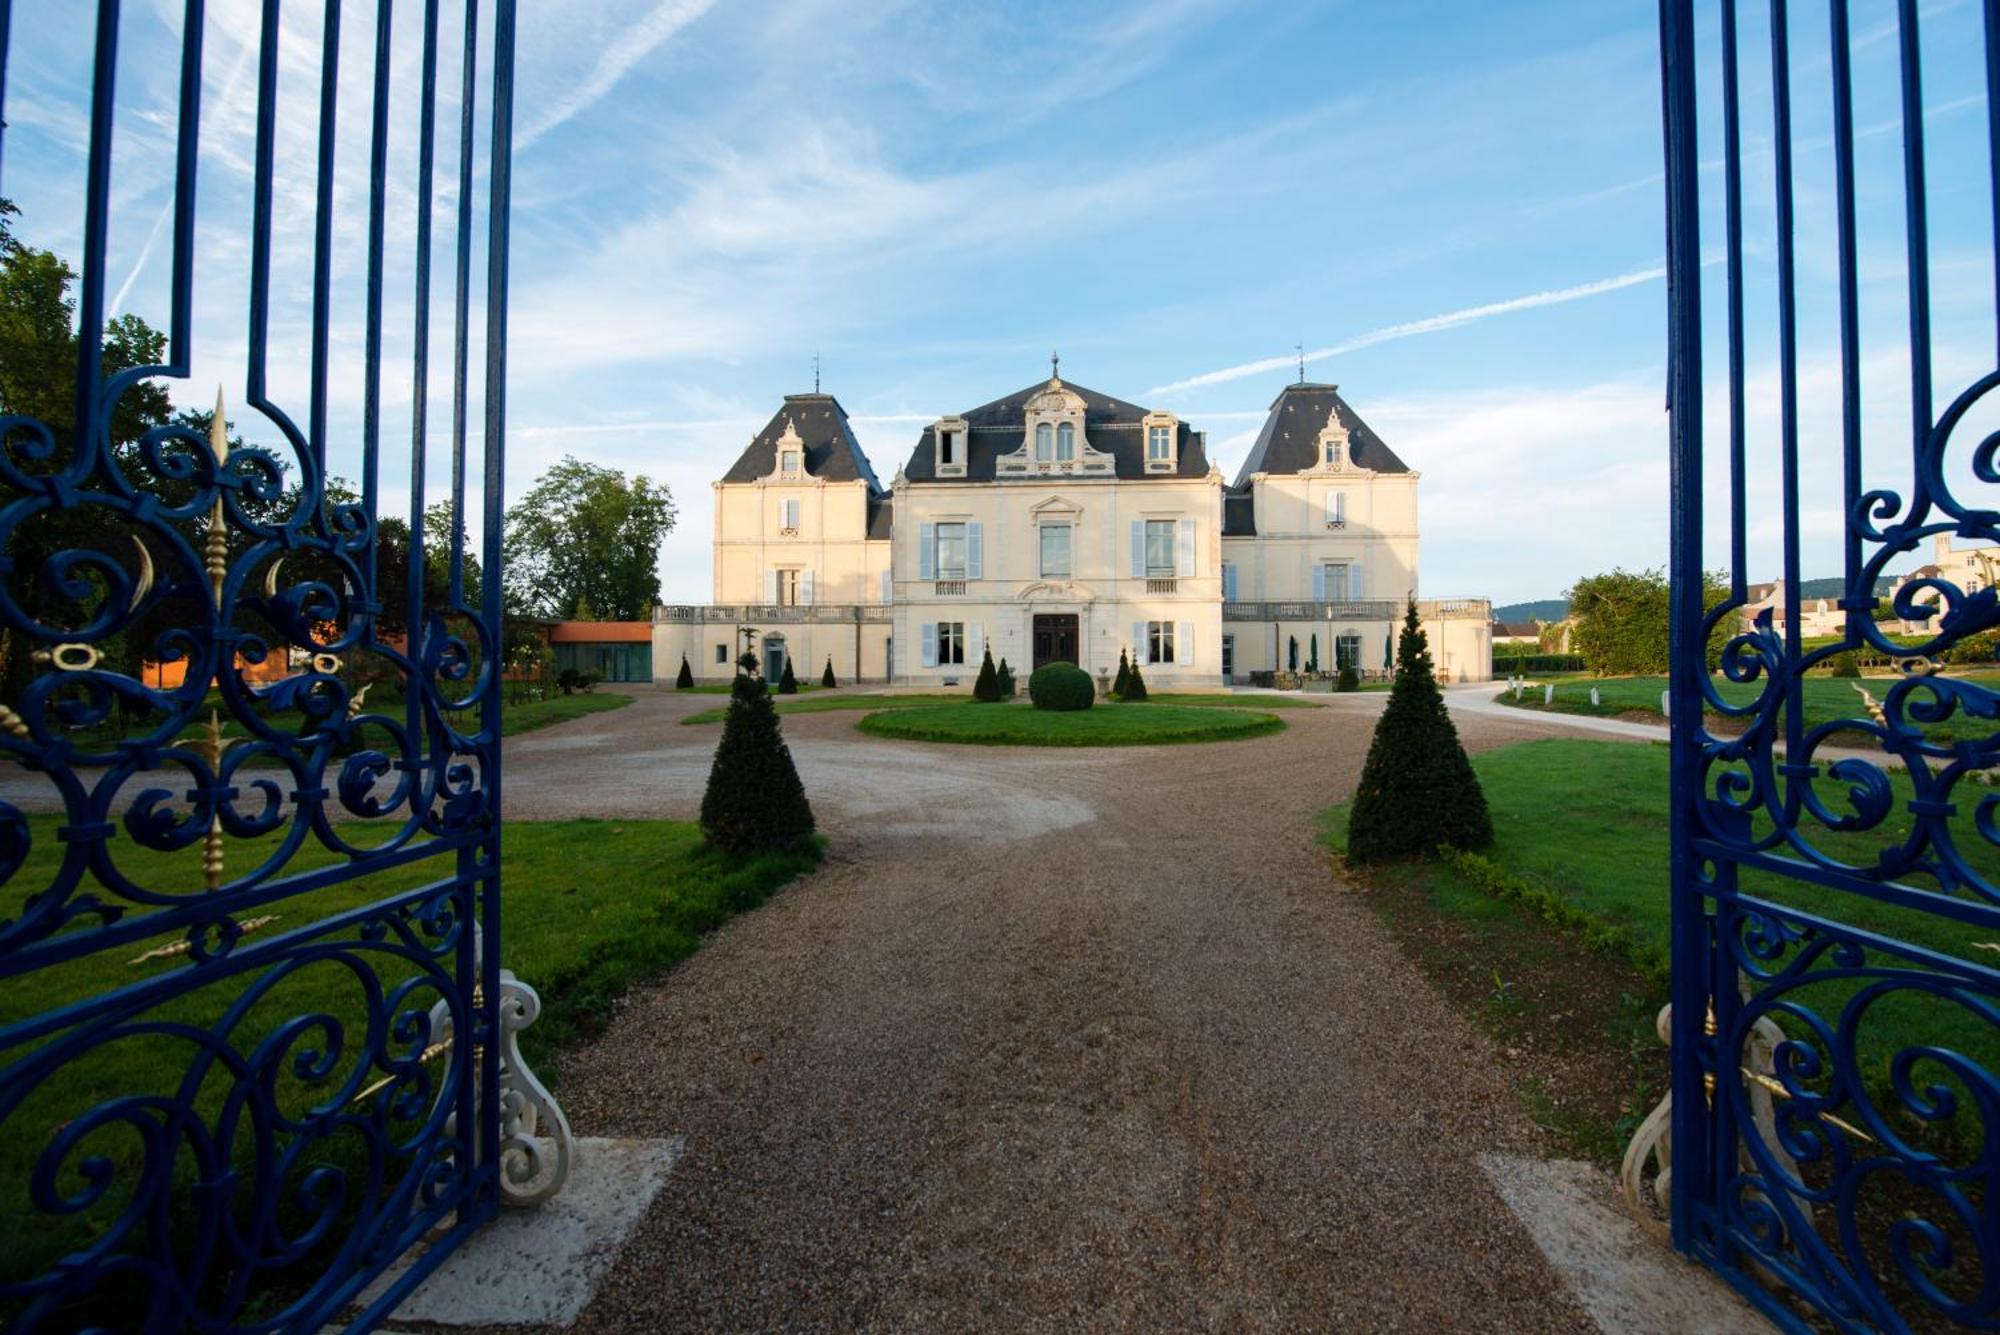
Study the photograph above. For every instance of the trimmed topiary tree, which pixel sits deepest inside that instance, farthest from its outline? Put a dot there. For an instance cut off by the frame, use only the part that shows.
(1349, 679)
(826, 678)
(1061, 686)
(754, 800)
(986, 686)
(1135, 685)
(1006, 681)
(1124, 676)
(1845, 665)
(787, 683)
(1417, 788)
(685, 681)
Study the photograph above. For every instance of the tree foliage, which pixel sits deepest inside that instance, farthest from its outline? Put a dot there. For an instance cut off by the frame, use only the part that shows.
(1621, 620)
(685, 680)
(754, 800)
(1417, 788)
(586, 537)
(1124, 676)
(986, 686)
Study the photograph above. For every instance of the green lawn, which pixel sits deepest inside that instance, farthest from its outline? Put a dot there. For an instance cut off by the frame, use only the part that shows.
(1230, 700)
(1581, 841)
(723, 687)
(533, 714)
(1021, 724)
(590, 908)
(1827, 699)
(822, 704)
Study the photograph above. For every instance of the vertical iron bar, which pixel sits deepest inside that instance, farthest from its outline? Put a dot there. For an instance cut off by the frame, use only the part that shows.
(329, 106)
(96, 225)
(1919, 244)
(462, 315)
(1788, 385)
(1693, 1188)
(258, 351)
(1860, 603)
(188, 158)
(1732, 211)
(500, 151)
(371, 388)
(420, 359)
(6, 35)
(1992, 32)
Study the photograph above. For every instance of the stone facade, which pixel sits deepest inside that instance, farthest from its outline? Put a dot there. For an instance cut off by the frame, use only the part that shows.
(1057, 522)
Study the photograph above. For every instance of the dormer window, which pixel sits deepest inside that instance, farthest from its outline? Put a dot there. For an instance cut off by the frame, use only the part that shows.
(1333, 444)
(953, 444)
(1045, 436)
(788, 463)
(1065, 441)
(1162, 442)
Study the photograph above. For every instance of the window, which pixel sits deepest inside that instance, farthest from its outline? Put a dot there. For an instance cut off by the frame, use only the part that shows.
(788, 588)
(1228, 581)
(1159, 548)
(1336, 509)
(1160, 641)
(1159, 445)
(951, 551)
(722, 653)
(947, 447)
(788, 514)
(1056, 550)
(1044, 435)
(1331, 453)
(788, 463)
(1065, 441)
(1347, 651)
(950, 642)
(1335, 589)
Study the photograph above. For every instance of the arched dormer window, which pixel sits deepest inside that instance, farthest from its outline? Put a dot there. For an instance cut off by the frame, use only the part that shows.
(954, 443)
(1065, 440)
(1333, 444)
(1044, 442)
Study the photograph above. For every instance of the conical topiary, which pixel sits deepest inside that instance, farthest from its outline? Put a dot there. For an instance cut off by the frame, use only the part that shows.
(826, 678)
(787, 683)
(1135, 684)
(1006, 681)
(685, 681)
(754, 799)
(1417, 788)
(1124, 675)
(986, 686)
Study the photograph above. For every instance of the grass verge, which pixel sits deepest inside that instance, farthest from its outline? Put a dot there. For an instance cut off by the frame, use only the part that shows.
(823, 704)
(517, 719)
(1022, 724)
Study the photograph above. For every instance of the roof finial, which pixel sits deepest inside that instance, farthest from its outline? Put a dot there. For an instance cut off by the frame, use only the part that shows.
(815, 370)
(1055, 366)
(1300, 348)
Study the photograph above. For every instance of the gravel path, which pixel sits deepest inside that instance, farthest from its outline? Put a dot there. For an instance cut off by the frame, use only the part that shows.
(1055, 1039)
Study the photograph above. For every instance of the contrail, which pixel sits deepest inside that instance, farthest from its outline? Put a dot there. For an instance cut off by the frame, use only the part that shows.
(631, 46)
(1430, 325)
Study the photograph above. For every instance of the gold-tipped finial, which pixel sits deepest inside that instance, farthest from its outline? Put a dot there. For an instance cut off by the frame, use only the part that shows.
(211, 843)
(217, 548)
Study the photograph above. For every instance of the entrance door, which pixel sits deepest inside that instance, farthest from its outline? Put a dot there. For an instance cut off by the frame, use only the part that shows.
(1228, 658)
(774, 660)
(1055, 638)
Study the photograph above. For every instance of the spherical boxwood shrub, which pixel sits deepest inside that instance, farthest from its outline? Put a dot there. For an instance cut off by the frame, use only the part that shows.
(1061, 686)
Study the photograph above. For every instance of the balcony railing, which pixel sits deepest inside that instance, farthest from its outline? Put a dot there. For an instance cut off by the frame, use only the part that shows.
(950, 588)
(758, 614)
(1367, 610)
(1163, 586)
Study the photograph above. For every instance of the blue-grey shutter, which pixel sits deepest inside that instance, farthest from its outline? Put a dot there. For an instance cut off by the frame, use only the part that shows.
(1184, 644)
(1229, 582)
(888, 587)
(975, 554)
(806, 587)
(1355, 585)
(1141, 648)
(1138, 549)
(1319, 582)
(927, 557)
(975, 643)
(771, 586)
(930, 644)
(1184, 549)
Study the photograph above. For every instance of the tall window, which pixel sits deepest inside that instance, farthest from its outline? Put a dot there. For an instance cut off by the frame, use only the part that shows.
(1159, 444)
(1044, 438)
(722, 653)
(1160, 641)
(951, 551)
(947, 447)
(1347, 651)
(788, 588)
(950, 642)
(1056, 550)
(1066, 442)
(789, 463)
(1336, 583)
(1159, 548)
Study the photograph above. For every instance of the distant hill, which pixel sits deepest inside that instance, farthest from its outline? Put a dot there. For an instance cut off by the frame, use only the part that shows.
(1835, 586)
(1546, 609)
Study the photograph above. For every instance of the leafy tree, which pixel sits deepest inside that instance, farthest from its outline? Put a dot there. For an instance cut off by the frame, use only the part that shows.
(1349, 679)
(986, 686)
(586, 537)
(1417, 787)
(1621, 621)
(1124, 675)
(787, 683)
(685, 681)
(754, 800)
(827, 680)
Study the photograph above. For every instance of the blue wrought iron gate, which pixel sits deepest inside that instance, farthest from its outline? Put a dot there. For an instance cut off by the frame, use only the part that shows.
(1836, 889)
(251, 1015)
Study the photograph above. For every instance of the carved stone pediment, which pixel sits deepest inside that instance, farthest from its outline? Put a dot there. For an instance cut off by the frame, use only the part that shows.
(1057, 590)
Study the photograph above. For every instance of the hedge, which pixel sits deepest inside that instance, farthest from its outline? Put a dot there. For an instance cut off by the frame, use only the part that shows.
(1508, 664)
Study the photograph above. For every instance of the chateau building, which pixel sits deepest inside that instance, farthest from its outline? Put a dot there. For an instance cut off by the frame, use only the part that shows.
(1060, 523)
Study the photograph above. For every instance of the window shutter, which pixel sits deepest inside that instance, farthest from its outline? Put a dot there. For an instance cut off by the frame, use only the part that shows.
(1355, 584)
(1184, 644)
(927, 556)
(806, 587)
(975, 556)
(930, 644)
(1228, 582)
(1340, 506)
(770, 586)
(888, 587)
(1319, 583)
(1141, 647)
(1184, 550)
(975, 643)
(1138, 549)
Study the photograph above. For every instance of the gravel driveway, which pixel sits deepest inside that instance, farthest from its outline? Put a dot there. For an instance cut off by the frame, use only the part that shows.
(1055, 1039)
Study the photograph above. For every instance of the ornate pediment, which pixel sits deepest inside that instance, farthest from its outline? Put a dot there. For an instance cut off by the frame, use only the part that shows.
(1057, 590)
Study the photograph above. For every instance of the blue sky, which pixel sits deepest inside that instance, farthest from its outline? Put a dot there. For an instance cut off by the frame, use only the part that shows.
(1455, 208)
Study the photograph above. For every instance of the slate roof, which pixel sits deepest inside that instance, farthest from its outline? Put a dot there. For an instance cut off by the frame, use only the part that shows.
(1110, 425)
(881, 518)
(831, 451)
(1239, 514)
(1291, 432)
